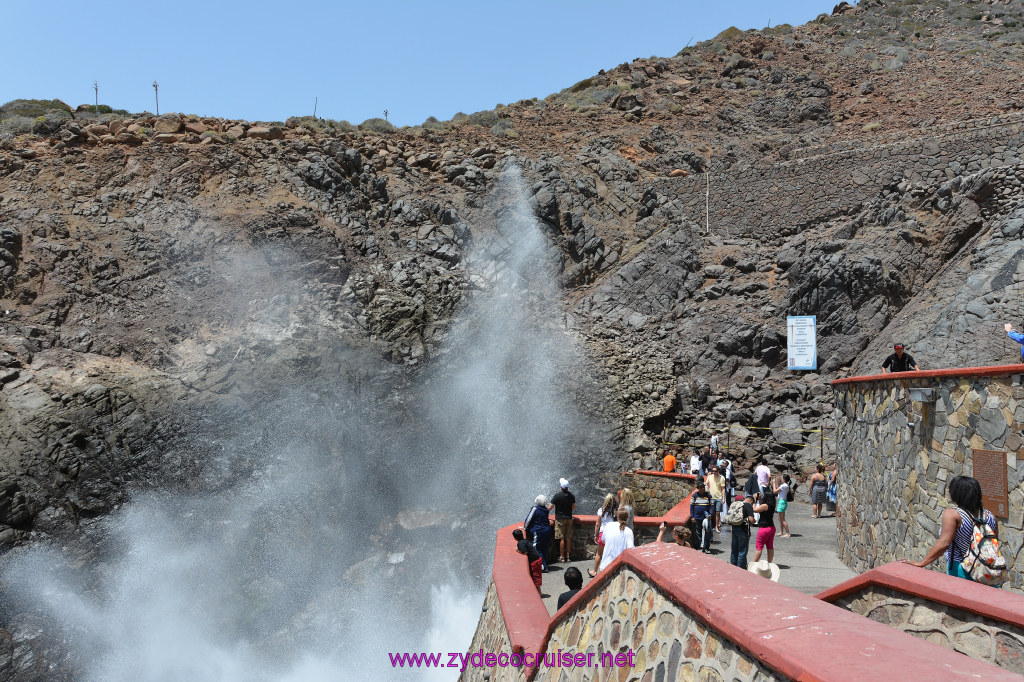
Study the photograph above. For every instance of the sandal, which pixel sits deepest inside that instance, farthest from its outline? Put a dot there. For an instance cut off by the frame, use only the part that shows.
(591, 573)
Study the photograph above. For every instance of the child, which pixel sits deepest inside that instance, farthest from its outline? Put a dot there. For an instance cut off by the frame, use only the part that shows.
(532, 556)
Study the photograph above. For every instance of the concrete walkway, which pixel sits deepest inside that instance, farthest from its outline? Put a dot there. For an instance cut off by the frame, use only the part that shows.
(807, 560)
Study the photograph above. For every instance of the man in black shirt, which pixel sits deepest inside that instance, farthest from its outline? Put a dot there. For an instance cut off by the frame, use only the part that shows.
(899, 361)
(564, 504)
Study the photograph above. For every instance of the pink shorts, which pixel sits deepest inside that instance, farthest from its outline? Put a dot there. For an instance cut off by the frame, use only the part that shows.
(765, 538)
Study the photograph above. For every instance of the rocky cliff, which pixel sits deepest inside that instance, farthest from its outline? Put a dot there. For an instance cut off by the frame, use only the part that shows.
(158, 274)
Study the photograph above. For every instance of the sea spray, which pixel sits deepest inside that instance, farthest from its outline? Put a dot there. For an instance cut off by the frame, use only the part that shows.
(302, 572)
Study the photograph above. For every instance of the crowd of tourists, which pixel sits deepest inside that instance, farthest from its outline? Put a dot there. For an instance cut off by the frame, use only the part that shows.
(716, 506)
(552, 520)
(968, 539)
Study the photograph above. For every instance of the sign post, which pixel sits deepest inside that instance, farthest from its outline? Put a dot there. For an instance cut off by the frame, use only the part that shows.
(802, 342)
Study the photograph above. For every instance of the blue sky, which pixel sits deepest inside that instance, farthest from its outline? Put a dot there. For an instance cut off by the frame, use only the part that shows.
(266, 61)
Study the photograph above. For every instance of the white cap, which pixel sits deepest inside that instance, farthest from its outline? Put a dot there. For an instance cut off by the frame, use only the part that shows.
(564, 483)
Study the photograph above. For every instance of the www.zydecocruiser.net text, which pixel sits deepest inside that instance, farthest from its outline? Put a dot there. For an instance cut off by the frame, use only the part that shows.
(480, 659)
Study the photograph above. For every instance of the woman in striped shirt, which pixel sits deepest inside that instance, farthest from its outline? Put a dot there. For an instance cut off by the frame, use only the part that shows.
(958, 525)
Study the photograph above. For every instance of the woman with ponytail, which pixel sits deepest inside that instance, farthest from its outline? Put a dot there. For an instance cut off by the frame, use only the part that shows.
(618, 537)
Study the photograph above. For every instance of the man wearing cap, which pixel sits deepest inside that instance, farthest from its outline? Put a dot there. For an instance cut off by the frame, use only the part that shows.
(899, 361)
(564, 504)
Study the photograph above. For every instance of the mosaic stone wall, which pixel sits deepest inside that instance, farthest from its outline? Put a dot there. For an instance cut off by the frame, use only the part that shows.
(893, 476)
(981, 638)
(655, 495)
(667, 642)
(491, 636)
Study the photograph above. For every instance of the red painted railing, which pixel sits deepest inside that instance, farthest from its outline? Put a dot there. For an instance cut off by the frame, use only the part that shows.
(993, 371)
(983, 601)
(526, 617)
(799, 636)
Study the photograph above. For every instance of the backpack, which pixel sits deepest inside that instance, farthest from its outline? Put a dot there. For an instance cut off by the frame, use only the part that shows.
(734, 517)
(983, 562)
(790, 496)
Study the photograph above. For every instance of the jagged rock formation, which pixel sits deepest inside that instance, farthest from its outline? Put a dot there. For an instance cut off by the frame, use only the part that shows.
(142, 240)
(865, 168)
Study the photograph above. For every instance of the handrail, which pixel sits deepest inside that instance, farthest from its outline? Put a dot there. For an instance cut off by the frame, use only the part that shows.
(999, 605)
(666, 474)
(989, 371)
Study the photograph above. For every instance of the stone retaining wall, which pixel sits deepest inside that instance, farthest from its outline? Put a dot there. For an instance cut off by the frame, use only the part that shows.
(892, 482)
(963, 631)
(755, 200)
(679, 614)
(655, 492)
(630, 614)
(492, 636)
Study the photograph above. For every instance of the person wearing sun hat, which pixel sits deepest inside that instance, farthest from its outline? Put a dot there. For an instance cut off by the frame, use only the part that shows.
(765, 569)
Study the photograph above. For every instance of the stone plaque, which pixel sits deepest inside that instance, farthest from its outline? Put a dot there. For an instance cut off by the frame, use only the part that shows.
(990, 470)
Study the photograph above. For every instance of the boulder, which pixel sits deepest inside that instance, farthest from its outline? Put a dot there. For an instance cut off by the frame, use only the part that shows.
(788, 430)
(169, 123)
(265, 133)
(128, 138)
(627, 101)
(763, 415)
(165, 138)
(196, 127)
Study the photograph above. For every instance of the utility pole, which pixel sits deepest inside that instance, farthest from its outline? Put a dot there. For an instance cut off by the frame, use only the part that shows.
(96, 87)
(156, 91)
(316, 100)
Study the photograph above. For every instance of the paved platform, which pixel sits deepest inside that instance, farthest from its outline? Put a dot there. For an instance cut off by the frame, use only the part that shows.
(807, 560)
